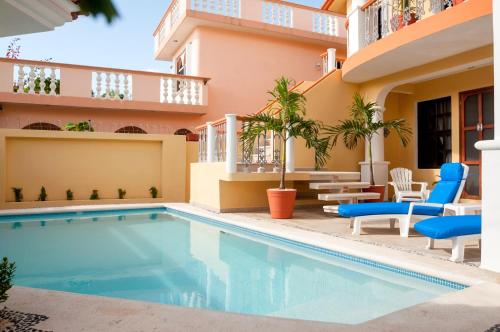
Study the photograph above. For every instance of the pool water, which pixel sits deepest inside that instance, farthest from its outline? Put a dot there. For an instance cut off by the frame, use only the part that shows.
(164, 257)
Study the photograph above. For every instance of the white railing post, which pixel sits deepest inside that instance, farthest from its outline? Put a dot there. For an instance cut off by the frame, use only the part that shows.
(356, 32)
(211, 143)
(231, 143)
(331, 62)
(290, 155)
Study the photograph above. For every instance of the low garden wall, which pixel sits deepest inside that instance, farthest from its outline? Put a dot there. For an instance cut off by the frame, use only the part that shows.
(81, 162)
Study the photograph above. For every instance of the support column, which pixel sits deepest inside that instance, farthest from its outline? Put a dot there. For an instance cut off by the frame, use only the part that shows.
(356, 30)
(290, 155)
(231, 143)
(380, 166)
(210, 143)
(490, 228)
(332, 59)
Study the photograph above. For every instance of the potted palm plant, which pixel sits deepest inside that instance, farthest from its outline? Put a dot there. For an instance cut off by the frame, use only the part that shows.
(285, 118)
(363, 126)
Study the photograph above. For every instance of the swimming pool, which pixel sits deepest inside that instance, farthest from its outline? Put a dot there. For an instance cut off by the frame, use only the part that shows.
(170, 257)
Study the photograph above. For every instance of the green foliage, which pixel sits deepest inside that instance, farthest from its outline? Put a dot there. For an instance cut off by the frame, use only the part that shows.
(154, 192)
(364, 124)
(94, 195)
(80, 126)
(286, 119)
(43, 194)
(7, 271)
(18, 194)
(99, 7)
(121, 193)
(69, 195)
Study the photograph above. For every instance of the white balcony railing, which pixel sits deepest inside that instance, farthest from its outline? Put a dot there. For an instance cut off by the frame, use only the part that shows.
(384, 17)
(287, 15)
(55, 79)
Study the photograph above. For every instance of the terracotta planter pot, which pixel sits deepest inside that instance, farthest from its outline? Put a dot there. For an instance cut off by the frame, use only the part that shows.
(192, 137)
(281, 202)
(413, 19)
(379, 189)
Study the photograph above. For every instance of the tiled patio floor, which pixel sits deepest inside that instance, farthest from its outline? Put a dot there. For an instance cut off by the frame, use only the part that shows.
(377, 233)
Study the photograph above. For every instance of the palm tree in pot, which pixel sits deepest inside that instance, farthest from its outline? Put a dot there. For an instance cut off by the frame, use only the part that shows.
(363, 125)
(285, 119)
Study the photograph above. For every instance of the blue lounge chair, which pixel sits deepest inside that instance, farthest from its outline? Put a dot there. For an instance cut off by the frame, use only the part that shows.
(455, 228)
(447, 190)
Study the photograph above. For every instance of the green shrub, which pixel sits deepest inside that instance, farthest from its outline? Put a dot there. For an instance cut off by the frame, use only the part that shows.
(80, 126)
(69, 195)
(18, 194)
(43, 194)
(121, 193)
(94, 195)
(154, 192)
(6, 274)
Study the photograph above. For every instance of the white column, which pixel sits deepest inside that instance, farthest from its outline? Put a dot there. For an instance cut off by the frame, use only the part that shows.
(231, 143)
(490, 228)
(210, 143)
(290, 155)
(332, 63)
(356, 31)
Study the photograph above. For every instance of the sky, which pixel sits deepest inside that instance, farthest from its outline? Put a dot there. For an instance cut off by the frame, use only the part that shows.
(126, 43)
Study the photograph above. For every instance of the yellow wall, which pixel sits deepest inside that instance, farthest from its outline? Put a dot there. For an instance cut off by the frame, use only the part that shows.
(86, 161)
(329, 102)
(400, 105)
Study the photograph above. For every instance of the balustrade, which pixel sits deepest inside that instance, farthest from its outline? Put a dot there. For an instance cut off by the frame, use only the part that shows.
(220, 7)
(35, 79)
(277, 14)
(326, 24)
(108, 85)
(176, 90)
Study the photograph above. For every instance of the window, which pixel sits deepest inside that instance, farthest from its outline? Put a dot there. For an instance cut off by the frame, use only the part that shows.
(131, 130)
(42, 126)
(434, 132)
(180, 64)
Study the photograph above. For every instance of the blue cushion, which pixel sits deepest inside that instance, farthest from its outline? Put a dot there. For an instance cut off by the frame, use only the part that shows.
(446, 189)
(447, 227)
(452, 172)
(367, 209)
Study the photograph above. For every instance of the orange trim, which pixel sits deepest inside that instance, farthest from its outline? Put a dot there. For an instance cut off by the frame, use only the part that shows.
(107, 69)
(318, 82)
(327, 4)
(367, 4)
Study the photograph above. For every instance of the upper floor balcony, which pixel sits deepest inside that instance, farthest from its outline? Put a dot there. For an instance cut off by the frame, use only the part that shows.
(388, 36)
(58, 84)
(269, 17)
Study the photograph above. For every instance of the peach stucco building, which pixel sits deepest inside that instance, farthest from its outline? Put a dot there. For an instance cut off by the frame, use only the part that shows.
(225, 57)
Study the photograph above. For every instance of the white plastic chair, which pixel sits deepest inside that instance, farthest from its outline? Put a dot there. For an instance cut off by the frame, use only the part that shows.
(403, 183)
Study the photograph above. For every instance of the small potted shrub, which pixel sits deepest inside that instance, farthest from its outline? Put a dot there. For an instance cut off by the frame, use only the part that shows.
(69, 195)
(121, 193)
(18, 194)
(95, 195)
(363, 126)
(43, 194)
(6, 274)
(286, 120)
(154, 192)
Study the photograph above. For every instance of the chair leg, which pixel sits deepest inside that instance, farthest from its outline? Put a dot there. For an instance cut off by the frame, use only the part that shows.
(457, 251)
(356, 227)
(392, 223)
(430, 244)
(404, 226)
(351, 222)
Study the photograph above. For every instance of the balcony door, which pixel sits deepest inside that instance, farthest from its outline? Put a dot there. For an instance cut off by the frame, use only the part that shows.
(476, 124)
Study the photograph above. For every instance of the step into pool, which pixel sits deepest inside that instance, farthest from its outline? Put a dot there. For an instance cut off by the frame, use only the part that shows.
(171, 257)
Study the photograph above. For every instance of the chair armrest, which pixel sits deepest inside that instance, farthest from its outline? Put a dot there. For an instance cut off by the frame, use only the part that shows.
(423, 185)
(413, 204)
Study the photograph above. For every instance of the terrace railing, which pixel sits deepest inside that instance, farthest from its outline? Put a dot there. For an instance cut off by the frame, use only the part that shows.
(278, 13)
(57, 79)
(330, 62)
(384, 17)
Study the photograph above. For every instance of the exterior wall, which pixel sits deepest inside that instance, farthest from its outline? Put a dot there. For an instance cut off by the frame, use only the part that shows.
(328, 101)
(243, 66)
(404, 105)
(86, 161)
(17, 116)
